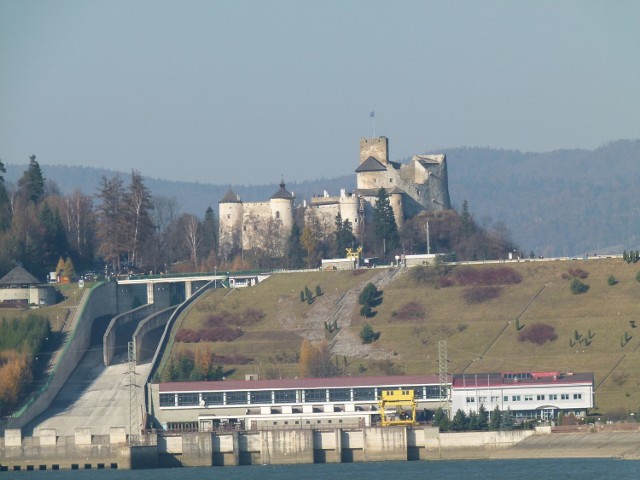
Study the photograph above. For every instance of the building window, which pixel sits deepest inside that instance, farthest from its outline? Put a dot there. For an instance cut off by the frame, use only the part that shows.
(187, 399)
(236, 398)
(471, 400)
(505, 398)
(528, 398)
(316, 395)
(285, 396)
(167, 399)
(418, 392)
(482, 399)
(577, 396)
(495, 399)
(553, 396)
(213, 398)
(260, 396)
(277, 214)
(515, 398)
(361, 394)
(540, 397)
(228, 216)
(339, 394)
(564, 396)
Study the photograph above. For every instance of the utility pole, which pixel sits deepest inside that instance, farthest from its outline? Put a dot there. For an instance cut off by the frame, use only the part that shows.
(133, 392)
(443, 367)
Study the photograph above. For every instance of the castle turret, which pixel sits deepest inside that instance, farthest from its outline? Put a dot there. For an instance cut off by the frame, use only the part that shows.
(230, 222)
(282, 207)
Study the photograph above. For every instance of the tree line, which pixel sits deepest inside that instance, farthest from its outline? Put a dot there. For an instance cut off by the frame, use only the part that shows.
(123, 227)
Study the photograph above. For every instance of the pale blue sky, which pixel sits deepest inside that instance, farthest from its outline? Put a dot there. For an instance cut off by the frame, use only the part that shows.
(246, 91)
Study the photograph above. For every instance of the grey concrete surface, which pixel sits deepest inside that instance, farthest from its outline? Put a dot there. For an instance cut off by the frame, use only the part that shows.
(95, 396)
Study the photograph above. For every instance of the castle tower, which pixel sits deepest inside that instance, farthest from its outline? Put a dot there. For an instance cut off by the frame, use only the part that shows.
(281, 204)
(377, 148)
(230, 210)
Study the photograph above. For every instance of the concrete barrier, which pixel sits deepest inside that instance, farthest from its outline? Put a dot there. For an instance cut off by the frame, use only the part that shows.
(157, 320)
(100, 300)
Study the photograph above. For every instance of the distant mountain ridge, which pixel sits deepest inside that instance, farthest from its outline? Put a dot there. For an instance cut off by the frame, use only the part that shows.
(564, 202)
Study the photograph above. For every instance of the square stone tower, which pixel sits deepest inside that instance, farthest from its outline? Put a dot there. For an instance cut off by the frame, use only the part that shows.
(377, 148)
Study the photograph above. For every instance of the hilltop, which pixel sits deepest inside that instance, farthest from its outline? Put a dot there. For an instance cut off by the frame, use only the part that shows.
(594, 330)
(563, 202)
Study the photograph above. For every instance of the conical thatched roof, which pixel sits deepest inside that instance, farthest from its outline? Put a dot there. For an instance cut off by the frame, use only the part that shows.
(18, 276)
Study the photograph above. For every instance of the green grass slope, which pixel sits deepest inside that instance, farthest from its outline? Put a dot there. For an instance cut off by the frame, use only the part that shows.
(413, 318)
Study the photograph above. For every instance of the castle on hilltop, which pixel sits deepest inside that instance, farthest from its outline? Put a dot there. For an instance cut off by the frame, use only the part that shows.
(413, 187)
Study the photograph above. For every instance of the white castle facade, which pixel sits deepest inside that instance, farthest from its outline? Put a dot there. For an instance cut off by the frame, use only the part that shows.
(421, 184)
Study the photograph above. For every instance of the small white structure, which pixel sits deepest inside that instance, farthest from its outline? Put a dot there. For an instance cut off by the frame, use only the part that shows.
(20, 289)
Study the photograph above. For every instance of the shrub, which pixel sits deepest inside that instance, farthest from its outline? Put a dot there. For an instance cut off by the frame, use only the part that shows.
(481, 294)
(577, 273)
(577, 287)
(213, 334)
(367, 334)
(538, 333)
(611, 281)
(486, 276)
(638, 277)
(410, 311)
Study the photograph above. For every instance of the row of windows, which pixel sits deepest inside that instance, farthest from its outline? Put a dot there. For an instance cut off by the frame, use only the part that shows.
(527, 398)
(258, 397)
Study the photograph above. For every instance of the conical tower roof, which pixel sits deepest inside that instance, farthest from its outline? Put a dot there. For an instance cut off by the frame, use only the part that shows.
(282, 193)
(231, 197)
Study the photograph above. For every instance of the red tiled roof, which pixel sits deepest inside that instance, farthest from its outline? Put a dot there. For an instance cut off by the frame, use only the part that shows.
(306, 383)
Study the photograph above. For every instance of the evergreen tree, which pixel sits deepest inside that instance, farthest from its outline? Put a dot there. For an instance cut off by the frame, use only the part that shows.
(507, 421)
(110, 228)
(473, 421)
(483, 418)
(384, 221)
(441, 420)
(5, 204)
(344, 235)
(31, 184)
(54, 236)
(295, 251)
(496, 417)
(460, 421)
(468, 226)
(209, 237)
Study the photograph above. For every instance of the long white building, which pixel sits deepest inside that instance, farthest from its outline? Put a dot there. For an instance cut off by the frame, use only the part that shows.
(529, 395)
(353, 401)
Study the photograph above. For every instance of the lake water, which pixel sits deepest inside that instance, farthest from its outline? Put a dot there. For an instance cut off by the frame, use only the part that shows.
(563, 469)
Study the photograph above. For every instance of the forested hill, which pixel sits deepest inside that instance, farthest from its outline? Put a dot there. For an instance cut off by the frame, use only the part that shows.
(565, 202)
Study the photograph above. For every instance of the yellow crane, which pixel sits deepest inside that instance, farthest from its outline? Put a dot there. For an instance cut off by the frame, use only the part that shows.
(397, 407)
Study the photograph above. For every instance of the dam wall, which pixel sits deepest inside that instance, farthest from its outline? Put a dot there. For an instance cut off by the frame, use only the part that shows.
(230, 447)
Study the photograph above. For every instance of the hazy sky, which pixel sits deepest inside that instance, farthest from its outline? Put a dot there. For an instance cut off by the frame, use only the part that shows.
(246, 91)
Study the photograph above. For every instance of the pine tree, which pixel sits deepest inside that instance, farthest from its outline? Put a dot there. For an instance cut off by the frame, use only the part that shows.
(31, 184)
(496, 417)
(5, 204)
(507, 422)
(468, 226)
(441, 420)
(295, 251)
(344, 235)
(384, 221)
(209, 238)
(483, 418)
(460, 421)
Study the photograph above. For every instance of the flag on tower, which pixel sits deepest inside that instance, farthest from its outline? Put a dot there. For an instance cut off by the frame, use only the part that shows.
(372, 114)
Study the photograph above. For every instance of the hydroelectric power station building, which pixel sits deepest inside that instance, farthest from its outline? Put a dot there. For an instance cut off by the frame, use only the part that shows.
(342, 402)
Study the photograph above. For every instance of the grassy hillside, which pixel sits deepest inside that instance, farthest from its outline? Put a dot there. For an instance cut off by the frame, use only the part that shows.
(413, 317)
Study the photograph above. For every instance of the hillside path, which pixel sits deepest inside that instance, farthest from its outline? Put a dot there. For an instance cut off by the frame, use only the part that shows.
(332, 306)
